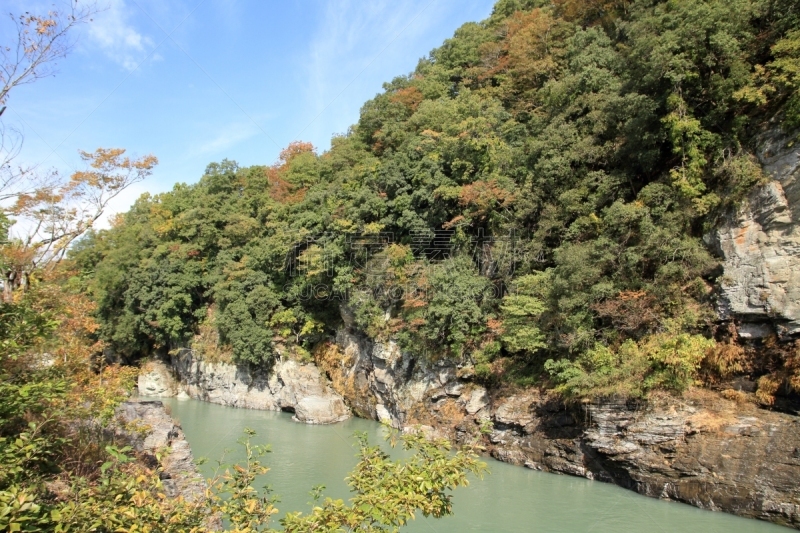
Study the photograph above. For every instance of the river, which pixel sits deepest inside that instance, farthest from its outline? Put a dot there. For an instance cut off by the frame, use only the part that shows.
(510, 499)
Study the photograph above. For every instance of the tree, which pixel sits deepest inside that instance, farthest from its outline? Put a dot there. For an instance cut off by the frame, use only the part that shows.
(39, 41)
(58, 214)
(521, 311)
(53, 212)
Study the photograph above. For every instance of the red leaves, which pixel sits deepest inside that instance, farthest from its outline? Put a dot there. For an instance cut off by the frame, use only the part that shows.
(280, 189)
(480, 199)
(293, 150)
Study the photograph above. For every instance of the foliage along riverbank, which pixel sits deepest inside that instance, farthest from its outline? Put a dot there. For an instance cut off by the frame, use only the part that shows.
(66, 461)
(530, 200)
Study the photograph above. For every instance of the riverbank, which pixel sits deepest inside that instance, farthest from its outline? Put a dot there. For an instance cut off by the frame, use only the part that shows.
(148, 428)
(701, 449)
(507, 500)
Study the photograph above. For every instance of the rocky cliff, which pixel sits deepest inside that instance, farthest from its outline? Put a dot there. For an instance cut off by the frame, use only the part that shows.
(179, 475)
(759, 243)
(701, 449)
(289, 386)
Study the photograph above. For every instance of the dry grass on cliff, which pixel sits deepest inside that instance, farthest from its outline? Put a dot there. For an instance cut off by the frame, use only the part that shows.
(206, 344)
(715, 410)
(338, 367)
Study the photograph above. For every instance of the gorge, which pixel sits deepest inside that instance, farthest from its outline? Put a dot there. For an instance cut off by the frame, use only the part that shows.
(703, 449)
(509, 499)
(570, 233)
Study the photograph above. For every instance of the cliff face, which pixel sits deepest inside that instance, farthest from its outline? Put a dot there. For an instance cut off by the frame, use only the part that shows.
(700, 449)
(290, 386)
(179, 475)
(759, 244)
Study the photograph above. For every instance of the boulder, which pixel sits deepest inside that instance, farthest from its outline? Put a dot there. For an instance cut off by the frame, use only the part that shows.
(156, 380)
(321, 410)
(478, 399)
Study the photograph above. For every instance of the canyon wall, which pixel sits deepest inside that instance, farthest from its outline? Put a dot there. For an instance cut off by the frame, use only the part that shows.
(289, 386)
(700, 449)
(759, 246)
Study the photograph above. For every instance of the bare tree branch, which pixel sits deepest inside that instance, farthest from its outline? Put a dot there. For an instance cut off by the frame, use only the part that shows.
(40, 41)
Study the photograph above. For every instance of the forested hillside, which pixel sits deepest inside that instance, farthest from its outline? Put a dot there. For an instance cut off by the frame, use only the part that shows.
(531, 200)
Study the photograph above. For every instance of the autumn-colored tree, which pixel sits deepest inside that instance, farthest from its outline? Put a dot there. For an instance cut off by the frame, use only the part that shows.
(55, 215)
(38, 42)
(53, 212)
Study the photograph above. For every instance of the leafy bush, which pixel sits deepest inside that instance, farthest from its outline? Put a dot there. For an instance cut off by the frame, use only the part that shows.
(666, 360)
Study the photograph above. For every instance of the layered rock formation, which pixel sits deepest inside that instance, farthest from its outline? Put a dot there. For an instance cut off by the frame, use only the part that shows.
(289, 386)
(706, 451)
(156, 432)
(759, 244)
(702, 449)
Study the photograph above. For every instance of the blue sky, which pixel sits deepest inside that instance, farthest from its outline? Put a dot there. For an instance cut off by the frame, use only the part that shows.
(198, 81)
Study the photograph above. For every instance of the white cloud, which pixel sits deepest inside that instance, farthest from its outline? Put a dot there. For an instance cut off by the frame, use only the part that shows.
(113, 32)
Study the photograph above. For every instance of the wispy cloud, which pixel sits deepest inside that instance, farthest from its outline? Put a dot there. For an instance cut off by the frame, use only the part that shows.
(227, 137)
(355, 39)
(352, 26)
(113, 32)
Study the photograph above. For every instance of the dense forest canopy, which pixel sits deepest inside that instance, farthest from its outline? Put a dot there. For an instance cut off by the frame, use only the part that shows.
(531, 199)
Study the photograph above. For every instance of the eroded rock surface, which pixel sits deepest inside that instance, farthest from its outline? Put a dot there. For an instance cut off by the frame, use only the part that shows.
(321, 410)
(289, 386)
(710, 453)
(760, 246)
(703, 449)
(159, 431)
(157, 380)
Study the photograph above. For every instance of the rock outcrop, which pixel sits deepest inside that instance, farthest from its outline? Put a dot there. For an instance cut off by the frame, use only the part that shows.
(702, 449)
(157, 380)
(289, 386)
(156, 431)
(706, 451)
(759, 244)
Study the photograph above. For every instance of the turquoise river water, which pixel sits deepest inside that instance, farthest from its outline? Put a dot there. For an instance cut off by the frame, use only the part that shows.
(510, 499)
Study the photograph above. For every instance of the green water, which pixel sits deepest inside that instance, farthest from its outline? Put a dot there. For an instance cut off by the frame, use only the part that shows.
(510, 499)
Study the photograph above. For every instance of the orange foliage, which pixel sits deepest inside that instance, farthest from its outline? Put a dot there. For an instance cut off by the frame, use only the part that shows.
(72, 343)
(483, 197)
(495, 326)
(529, 54)
(293, 150)
(410, 97)
(284, 192)
(280, 189)
(525, 51)
(110, 168)
(591, 11)
(58, 213)
(630, 311)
